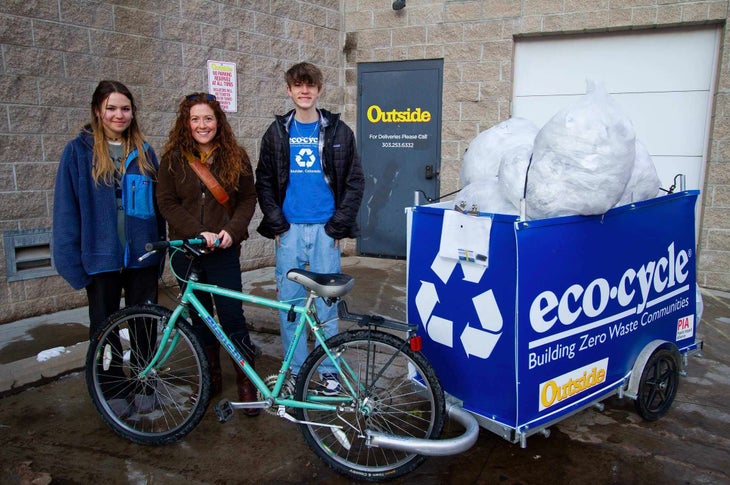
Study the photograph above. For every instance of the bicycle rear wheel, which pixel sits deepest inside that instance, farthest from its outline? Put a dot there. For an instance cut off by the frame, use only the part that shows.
(396, 392)
(166, 404)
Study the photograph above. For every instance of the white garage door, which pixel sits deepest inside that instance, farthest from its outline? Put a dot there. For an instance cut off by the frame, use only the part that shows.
(664, 81)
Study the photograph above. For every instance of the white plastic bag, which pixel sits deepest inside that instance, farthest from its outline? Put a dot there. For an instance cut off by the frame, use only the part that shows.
(515, 159)
(644, 182)
(484, 195)
(486, 151)
(582, 159)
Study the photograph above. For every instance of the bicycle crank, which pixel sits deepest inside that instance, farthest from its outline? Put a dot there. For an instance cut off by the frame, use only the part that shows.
(287, 389)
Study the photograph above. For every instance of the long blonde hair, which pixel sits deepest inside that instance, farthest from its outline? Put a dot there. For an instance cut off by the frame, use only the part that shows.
(103, 169)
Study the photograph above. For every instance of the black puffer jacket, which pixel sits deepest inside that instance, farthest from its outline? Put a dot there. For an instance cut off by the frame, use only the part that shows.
(342, 169)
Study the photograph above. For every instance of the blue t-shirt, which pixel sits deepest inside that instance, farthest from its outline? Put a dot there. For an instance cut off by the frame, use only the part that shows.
(309, 200)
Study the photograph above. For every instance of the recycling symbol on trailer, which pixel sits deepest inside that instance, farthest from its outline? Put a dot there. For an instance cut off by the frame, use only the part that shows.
(477, 340)
(305, 158)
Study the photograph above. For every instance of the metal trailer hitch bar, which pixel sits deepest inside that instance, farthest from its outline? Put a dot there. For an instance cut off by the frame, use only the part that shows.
(426, 447)
(420, 446)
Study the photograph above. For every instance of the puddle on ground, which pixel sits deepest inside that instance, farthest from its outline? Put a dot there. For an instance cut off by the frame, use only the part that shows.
(44, 337)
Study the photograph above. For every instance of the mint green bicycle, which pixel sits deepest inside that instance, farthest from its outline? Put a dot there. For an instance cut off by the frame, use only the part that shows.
(147, 374)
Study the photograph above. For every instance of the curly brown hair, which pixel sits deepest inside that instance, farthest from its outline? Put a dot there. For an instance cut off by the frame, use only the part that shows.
(232, 158)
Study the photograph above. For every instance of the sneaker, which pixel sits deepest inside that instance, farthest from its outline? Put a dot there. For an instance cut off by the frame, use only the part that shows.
(330, 384)
(146, 403)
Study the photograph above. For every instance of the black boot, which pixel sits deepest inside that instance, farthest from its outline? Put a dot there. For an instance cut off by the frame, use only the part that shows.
(212, 352)
(246, 390)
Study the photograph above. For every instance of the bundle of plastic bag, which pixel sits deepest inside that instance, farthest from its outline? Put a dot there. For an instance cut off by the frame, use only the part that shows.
(644, 182)
(582, 159)
(484, 195)
(512, 138)
(515, 160)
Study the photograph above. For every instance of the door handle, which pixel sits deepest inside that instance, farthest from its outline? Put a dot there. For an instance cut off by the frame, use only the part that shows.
(430, 173)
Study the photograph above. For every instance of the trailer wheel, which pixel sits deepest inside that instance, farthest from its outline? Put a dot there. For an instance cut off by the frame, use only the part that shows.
(658, 385)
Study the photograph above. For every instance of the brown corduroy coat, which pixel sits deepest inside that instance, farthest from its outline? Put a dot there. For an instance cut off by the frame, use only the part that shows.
(190, 208)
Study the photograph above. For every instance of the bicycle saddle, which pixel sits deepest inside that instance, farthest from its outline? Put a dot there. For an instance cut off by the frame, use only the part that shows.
(329, 285)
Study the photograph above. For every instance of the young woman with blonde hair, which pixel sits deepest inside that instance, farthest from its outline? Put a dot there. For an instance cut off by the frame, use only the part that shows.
(104, 212)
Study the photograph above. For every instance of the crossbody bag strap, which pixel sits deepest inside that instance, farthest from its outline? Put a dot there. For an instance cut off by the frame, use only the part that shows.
(202, 171)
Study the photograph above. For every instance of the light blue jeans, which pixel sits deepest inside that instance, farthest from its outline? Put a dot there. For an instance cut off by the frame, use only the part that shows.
(305, 244)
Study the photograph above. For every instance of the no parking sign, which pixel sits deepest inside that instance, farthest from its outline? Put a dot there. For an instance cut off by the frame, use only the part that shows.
(222, 83)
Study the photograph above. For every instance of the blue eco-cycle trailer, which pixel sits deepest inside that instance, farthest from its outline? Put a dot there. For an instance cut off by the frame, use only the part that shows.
(527, 322)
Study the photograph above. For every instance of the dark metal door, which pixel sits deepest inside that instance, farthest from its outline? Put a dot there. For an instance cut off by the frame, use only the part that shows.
(399, 139)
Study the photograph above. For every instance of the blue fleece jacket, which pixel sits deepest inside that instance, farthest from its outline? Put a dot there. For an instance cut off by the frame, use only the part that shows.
(85, 239)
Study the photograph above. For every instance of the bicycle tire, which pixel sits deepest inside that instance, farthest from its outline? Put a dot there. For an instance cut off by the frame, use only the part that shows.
(171, 400)
(396, 392)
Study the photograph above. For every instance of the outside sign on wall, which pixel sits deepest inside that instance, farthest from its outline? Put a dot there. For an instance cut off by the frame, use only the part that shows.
(222, 84)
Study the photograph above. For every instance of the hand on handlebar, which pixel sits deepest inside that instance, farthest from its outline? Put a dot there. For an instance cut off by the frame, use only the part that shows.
(221, 240)
(225, 240)
(211, 240)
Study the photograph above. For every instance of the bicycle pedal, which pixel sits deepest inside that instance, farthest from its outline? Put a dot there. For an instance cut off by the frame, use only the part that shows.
(223, 410)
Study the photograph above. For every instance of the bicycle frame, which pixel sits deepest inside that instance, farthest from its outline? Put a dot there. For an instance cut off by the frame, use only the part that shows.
(306, 319)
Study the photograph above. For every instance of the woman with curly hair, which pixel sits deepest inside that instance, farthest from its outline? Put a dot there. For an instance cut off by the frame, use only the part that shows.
(220, 214)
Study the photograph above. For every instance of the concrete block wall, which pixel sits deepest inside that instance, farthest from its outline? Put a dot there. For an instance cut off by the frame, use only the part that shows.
(476, 40)
(54, 52)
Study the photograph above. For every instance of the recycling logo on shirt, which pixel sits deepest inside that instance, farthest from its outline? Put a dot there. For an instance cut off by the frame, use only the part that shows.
(478, 338)
(305, 158)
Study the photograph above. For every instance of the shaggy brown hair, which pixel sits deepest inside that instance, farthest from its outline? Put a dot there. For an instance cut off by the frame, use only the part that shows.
(304, 72)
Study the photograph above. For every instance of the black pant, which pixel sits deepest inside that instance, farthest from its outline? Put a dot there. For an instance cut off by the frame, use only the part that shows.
(222, 268)
(105, 292)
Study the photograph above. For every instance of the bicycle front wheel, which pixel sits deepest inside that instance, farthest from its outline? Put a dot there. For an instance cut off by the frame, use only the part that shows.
(171, 399)
(385, 387)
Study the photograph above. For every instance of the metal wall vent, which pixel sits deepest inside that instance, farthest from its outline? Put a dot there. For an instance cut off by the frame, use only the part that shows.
(28, 254)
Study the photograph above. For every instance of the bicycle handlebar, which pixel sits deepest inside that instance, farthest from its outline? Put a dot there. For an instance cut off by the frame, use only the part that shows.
(175, 243)
(152, 247)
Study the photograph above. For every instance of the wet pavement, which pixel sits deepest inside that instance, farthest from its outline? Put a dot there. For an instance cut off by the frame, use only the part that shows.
(50, 432)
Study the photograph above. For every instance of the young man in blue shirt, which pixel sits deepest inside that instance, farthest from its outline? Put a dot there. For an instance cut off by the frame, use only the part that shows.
(309, 183)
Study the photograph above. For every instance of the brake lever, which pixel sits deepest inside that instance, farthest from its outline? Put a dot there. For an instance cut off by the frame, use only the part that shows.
(192, 249)
(146, 255)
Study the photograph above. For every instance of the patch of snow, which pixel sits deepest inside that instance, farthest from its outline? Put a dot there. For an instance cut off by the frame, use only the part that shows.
(50, 353)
